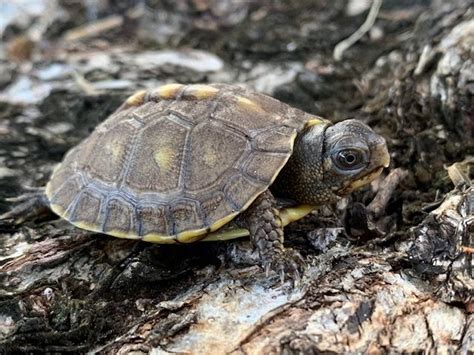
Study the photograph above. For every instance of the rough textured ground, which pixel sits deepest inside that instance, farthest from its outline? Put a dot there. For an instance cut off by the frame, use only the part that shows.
(389, 269)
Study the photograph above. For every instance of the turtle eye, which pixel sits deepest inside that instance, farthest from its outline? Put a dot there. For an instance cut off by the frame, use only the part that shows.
(349, 159)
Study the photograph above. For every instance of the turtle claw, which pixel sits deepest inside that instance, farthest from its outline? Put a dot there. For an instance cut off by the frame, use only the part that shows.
(23, 197)
(29, 206)
(268, 268)
(288, 263)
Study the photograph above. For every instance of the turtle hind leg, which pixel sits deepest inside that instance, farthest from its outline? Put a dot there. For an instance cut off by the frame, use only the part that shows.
(27, 207)
(266, 232)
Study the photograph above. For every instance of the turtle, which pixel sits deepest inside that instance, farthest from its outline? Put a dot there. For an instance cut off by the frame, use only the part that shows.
(186, 163)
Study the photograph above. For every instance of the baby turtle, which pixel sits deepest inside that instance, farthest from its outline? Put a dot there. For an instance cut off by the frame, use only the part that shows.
(178, 164)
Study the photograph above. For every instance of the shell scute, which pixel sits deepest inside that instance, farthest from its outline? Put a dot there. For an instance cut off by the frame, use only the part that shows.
(87, 208)
(153, 219)
(119, 217)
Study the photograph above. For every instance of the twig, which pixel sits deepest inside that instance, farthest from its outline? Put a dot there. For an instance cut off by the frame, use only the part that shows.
(86, 86)
(466, 250)
(345, 44)
(93, 29)
(380, 201)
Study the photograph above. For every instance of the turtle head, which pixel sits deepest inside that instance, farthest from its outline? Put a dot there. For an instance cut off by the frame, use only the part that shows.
(330, 161)
(353, 155)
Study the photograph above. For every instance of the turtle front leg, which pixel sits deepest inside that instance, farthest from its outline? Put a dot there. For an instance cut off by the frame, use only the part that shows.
(29, 206)
(266, 232)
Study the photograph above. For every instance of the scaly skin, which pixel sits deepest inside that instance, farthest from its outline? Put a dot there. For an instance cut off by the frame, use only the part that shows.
(266, 233)
(31, 206)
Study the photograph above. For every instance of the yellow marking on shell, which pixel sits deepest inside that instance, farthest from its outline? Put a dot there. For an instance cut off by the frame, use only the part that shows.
(292, 143)
(57, 209)
(115, 148)
(191, 236)
(136, 99)
(159, 239)
(201, 92)
(198, 234)
(86, 225)
(164, 157)
(209, 157)
(183, 237)
(223, 221)
(291, 214)
(315, 121)
(169, 91)
(226, 235)
(247, 104)
(47, 190)
(121, 234)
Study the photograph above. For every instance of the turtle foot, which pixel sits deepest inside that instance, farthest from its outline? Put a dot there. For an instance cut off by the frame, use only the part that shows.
(29, 206)
(287, 263)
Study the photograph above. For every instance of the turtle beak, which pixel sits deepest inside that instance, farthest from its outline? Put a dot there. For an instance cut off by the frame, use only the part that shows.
(379, 154)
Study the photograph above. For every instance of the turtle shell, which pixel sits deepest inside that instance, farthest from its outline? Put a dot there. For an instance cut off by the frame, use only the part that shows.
(173, 164)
